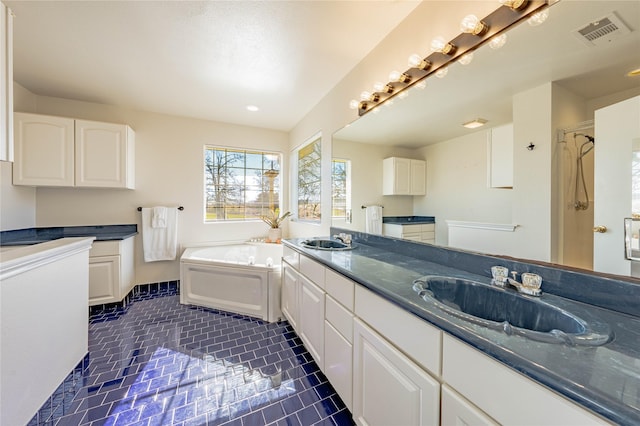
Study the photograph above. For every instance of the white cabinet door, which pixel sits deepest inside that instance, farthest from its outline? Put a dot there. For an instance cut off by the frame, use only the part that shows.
(457, 411)
(388, 388)
(104, 273)
(289, 302)
(6, 84)
(104, 155)
(44, 150)
(418, 176)
(311, 319)
(500, 155)
(338, 363)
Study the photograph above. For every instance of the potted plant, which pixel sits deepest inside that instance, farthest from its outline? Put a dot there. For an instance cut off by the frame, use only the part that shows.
(274, 220)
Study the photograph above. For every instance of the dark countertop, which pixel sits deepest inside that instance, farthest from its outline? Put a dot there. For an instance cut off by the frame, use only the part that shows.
(40, 235)
(408, 220)
(604, 379)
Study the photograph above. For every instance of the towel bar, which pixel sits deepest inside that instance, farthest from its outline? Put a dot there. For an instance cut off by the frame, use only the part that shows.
(364, 207)
(179, 208)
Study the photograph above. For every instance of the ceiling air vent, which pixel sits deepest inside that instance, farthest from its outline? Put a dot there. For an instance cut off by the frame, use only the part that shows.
(602, 31)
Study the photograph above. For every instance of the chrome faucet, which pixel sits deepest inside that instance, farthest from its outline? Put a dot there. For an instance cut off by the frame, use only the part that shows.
(345, 238)
(530, 282)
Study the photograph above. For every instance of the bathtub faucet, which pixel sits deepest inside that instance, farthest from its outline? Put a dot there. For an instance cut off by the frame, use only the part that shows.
(345, 238)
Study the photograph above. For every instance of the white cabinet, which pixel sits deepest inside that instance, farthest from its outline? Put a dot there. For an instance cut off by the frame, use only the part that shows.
(404, 176)
(311, 319)
(500, 156)
(455, 411)
(111, 271)
(289, 302)
(104, 155)
(425, 233)
(388, 388)
(505, 395)
(59, 151)
(6, 84)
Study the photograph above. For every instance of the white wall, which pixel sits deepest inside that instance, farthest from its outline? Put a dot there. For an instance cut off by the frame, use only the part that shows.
(457, 185)
(366, 181)
(169, 171)
(17, 203)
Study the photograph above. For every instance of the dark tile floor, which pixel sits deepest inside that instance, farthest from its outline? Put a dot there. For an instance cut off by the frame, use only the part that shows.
(161, 363)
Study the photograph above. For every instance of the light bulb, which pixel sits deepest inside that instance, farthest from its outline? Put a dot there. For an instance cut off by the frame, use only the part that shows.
(472, 25)
(515, 4)
(353, 104)
(421, 84)
(365, 96)
(538, 18)
(414, 60)
(378, 86)
(498, 41)
(442, 72)
(466, 59)
(394, 75)
(401, 77)
(439, 44)
(403, 94)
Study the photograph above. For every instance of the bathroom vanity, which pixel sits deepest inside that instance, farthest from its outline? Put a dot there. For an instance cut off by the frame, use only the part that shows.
(376, 340)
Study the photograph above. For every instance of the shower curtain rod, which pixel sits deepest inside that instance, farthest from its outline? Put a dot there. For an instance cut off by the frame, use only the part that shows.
(578, 127)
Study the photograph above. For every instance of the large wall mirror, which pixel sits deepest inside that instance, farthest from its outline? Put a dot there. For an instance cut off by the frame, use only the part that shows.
(427, 124)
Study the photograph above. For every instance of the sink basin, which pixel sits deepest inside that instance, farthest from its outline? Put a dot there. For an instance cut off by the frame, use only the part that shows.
(513, 313)
(326, 245)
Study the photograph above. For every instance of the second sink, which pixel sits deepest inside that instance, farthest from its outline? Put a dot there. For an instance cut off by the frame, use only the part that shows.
(510, 312)
(326, 244)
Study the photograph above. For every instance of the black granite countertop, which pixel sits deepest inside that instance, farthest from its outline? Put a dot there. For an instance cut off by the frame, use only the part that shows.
(40, 235)
(604, 379)
(408, 220)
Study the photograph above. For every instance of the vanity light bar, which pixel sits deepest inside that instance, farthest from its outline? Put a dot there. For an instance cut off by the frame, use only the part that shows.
(498, 21)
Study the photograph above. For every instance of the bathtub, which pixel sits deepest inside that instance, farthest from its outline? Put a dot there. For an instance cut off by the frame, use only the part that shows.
(240, 278)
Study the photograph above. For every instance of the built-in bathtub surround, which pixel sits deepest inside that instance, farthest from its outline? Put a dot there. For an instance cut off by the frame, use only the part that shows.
(162, 363)
(408, 220)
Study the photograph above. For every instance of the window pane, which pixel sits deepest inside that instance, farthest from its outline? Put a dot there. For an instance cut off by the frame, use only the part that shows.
(309, 181)
(236, 187)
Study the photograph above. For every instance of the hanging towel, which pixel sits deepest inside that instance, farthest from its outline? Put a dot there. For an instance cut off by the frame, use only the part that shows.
(159, 243)
(159, 217)
(374, 220)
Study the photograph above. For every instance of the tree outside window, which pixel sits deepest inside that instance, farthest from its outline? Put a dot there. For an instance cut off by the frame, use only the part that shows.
(309, 181)
(340, 188)
(240, 184)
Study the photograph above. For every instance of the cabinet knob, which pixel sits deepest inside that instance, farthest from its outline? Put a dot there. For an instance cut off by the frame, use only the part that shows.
(600, 229)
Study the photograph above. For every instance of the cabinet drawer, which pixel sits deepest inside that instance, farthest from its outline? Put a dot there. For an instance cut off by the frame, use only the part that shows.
(340, 318)
(312, 270)
(291, 256)
(430, 227)
(105, 248)
(411, 229)
(480, 378)
(428, 236)
(340, 288)
(412, 335)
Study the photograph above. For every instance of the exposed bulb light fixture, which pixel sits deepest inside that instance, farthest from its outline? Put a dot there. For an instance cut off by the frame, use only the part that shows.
(538, 18)
(403, 94)
(417, 61)
(353, 104)
(422, 84)
(466, 58)
(365, 96)
(397, 76)
(383, 88)
(472, 25)
(474, 124)
(498, 41)
(442, 72)
(515, 4)
(439, 44)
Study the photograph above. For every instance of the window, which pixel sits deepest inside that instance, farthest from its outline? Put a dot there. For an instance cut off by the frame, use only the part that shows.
(309, 183)
(240, 184)
(340, 188)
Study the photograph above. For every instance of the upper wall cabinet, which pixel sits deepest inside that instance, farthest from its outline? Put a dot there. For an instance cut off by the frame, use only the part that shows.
(59, 151)
(500, 156)
(6, 84)
(404, 176)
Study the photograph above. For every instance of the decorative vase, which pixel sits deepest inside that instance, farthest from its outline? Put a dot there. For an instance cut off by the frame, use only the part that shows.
(275, 235)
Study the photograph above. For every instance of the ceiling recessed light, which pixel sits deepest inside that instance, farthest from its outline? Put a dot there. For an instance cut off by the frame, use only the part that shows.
(474, 124)
(252, 108)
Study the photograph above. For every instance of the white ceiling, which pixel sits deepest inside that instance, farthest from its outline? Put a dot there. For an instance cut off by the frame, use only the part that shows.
(203, 59)
(531, 57)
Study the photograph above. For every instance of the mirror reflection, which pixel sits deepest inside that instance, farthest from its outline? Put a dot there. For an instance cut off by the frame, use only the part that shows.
(539, 201)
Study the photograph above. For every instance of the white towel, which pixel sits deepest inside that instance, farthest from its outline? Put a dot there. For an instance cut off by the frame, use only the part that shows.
(373, 223)
(159, 243)
(159, 217)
